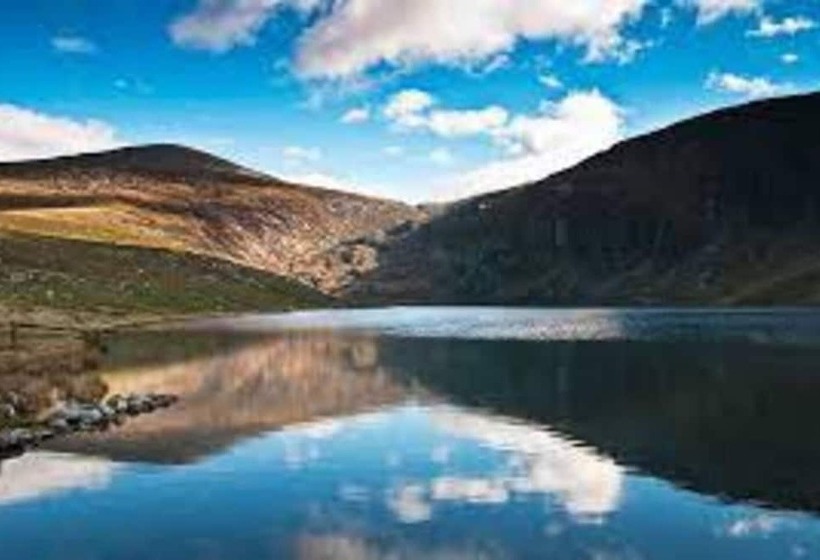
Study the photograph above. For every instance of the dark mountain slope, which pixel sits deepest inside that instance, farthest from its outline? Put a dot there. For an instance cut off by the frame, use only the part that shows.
(722, 208)
(168, 159)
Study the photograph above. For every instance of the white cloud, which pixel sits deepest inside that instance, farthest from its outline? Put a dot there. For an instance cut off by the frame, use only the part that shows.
(300, 153)
(73, 44)
(466, 123)
(339, 182)
(752, 87)
(442, 157)
(559, 125)
(360, 34)
(790, 58)
(348, 38)
(559, 136)
(405, 107)
(551, 81)
(412, 109)
(769, 27)
(356, 116)
(536, 145)
(27, 134)
(709, 11)
(220, 25)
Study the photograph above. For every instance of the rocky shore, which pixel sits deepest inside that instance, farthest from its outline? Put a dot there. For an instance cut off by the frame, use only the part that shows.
(71, 417)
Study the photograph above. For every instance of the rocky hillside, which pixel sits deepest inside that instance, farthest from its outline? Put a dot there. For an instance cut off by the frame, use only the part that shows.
(720, 209)
(174, 198)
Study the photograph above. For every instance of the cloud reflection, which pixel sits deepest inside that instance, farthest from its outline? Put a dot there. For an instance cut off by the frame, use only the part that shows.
(354, 547)
(534, 461)
(586, 483)
(37, 475)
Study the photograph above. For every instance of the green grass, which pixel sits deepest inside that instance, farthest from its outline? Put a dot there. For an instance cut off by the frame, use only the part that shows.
(63, 274)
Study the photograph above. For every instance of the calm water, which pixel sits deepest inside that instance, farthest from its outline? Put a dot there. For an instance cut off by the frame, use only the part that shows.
(444, 433)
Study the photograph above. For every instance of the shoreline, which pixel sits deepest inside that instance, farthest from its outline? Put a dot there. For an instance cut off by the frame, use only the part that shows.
(52, 359)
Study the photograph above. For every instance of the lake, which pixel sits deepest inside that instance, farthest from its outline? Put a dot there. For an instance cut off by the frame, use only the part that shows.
(443, 433)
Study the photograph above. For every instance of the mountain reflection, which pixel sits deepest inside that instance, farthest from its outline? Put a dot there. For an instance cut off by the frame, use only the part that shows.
(243, 390)
(730, 419)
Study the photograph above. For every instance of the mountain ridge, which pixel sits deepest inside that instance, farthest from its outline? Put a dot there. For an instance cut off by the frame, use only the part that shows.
(721, 208)
(717, 209)
(176, 198)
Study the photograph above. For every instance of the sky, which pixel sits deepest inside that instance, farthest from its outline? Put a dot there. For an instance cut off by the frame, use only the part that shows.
(419, 100)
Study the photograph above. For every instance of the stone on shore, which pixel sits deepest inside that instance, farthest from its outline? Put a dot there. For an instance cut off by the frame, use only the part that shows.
(75, 417)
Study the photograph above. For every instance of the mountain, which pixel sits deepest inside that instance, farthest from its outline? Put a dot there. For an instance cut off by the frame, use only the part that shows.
(154, 159)
(177, 199)
(720, 209)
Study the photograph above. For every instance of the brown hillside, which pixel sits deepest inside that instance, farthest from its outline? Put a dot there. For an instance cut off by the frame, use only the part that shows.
(176, 198)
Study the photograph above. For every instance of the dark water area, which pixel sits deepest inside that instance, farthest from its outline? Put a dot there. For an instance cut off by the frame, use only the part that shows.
(444, 433)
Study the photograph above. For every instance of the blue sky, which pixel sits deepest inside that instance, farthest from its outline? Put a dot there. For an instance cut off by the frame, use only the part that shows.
(413, 99)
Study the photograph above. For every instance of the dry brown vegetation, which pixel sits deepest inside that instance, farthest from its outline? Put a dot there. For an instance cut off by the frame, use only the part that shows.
(177, 199)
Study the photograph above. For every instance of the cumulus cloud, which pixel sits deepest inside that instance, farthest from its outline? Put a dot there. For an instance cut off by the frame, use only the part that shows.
(709, 11)
(220, 25)
(551, 81)
(413, 109)
(351, 37)
(466, 123)
(405, 107)
(27, 134)
(360, 34)
(790, 58)
(73, 44)
(318, 179)
(581, 123)
(769, 27)
(556, 137)
(751, 87)
(356, 116)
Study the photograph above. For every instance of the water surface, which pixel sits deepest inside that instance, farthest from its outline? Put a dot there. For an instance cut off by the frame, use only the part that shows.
(444, 433)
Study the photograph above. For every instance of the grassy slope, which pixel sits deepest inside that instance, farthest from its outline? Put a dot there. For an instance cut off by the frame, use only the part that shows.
(118, 224)
(62, 274)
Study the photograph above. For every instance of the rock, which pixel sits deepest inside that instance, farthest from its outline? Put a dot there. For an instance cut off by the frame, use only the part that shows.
(107, 411)
(59, 425)
(92, 416)
(43, 434)
(164, 401)
(118, 404)
(8, 411)
(81, 417)
(16, 438)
